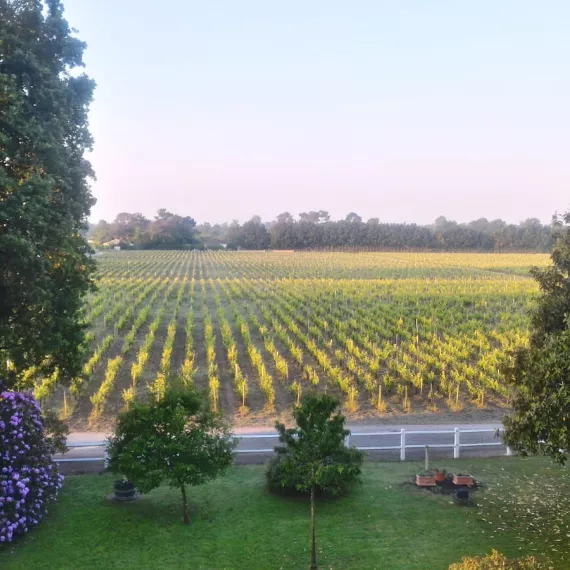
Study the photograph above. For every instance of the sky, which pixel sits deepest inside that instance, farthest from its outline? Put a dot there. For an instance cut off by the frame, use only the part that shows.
(398, 109)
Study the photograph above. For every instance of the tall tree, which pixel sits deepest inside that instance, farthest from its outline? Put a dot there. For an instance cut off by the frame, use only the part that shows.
(171, 231)
(353, 218)
(252, 235)
(285, 218)
(131, 228)
(44, 191)
(540, 373)
(312, 216)
(282, 231)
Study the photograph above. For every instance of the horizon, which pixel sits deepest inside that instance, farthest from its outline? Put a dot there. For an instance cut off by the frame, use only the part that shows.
(403, 112)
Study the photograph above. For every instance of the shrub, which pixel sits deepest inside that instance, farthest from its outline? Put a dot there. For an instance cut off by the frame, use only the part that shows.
(29, 479)
(497, 561)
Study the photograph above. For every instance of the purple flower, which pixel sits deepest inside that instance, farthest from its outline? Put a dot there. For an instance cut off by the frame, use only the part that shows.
(28, 477)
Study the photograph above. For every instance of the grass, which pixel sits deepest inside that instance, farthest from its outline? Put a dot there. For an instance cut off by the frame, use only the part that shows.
(236, 524)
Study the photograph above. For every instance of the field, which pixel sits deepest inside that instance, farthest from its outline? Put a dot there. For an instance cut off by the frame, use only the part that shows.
(391, 334)
(522, 508)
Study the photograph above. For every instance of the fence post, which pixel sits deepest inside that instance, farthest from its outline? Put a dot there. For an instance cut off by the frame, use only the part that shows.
(509, 451)
(347, 441)
(456, 443)
(402, 444)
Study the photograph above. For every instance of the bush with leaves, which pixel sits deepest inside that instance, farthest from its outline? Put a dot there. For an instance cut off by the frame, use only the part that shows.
(29, 479)
(313, 456)
(176, 440)
(319, 435)
(497, 561)
(540, 373)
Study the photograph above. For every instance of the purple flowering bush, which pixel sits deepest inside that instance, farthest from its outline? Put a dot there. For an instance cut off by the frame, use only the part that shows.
(29, 479)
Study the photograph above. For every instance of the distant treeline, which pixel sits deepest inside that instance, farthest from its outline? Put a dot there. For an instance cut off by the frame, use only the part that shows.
(315, 230)
(166, 231)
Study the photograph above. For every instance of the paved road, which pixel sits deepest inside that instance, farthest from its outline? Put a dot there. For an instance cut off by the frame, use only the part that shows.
(258, 442)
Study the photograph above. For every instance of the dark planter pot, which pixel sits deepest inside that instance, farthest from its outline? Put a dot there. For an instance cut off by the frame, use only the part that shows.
(124, 491)
(463, 498)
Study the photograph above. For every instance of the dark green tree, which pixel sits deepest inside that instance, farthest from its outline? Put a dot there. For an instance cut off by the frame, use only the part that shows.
(171, 231)
(252, 235)
(313, 456)
(554, 281)
(353, 218)
(176, 439)
(166, 231)
(540, 373)
(44, 192)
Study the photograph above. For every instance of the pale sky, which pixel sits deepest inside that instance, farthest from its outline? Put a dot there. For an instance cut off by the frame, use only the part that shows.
(396, 109)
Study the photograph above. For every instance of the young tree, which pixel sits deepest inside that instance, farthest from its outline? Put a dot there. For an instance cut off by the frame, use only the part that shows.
(44, 192)
(541, 372)
(177, 440)
(313, 456)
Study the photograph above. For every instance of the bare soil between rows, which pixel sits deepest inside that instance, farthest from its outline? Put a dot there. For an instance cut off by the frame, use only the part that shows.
(263, 418)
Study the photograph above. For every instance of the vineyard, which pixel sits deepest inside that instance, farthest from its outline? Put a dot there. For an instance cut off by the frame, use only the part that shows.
(389, 333)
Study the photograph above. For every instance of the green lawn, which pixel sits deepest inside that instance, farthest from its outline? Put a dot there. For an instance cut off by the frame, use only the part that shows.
(236, 524)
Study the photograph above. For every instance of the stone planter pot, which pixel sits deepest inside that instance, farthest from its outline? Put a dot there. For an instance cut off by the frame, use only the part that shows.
(425, 480)
(463, 480)
(124, 491)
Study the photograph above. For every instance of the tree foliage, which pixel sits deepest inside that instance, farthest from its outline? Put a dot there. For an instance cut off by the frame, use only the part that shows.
(44, 191)
(540, 372)
(316, 230)
(554, 281)
(313, 456)
(176, 440)
(252, 235)
(166, 231)
(314, 452)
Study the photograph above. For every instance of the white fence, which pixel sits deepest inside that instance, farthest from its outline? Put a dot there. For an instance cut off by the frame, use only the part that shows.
(455, 443)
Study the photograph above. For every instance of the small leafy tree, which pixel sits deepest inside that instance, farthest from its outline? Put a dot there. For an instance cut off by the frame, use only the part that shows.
(313, 456)
(540, 372)
(177, 440)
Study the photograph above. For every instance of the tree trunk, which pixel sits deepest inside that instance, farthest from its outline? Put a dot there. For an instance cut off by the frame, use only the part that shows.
(185, 505)
(313, 542)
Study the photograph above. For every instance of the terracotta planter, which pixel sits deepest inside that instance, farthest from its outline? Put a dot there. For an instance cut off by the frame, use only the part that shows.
(439, 477)
(425, 480)
(463, 480)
